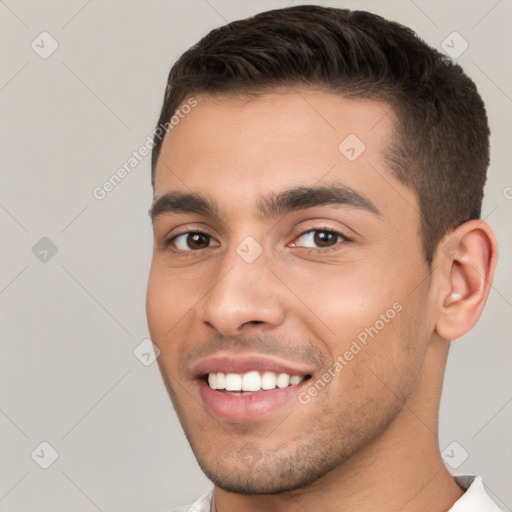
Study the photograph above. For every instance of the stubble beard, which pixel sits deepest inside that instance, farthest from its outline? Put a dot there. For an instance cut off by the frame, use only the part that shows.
(241, 465)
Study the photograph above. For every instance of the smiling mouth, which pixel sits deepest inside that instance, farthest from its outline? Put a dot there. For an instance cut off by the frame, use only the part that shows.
(240, 384)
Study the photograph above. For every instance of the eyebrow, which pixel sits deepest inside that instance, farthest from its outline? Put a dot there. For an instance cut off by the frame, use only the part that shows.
(272, 205)
(179, 202)
(300, 198)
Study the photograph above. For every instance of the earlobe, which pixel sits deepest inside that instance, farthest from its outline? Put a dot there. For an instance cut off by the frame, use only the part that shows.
(466, 260)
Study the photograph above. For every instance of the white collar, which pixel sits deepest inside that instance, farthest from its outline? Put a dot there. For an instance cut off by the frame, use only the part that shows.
(475, 499)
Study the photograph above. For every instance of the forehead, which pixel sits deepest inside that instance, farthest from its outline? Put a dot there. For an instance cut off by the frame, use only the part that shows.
(265, 142)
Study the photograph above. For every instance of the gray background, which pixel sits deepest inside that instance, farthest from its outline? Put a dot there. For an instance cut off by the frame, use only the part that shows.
(69, 325)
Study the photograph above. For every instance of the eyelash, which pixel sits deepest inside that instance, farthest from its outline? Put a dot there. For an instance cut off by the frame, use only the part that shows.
(314, 250)
(309, 250)
(169, 242)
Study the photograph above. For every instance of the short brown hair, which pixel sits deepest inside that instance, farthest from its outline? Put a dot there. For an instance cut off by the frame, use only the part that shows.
(442, 144)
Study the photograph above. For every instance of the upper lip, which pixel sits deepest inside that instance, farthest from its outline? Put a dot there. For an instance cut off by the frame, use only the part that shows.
(243, 363)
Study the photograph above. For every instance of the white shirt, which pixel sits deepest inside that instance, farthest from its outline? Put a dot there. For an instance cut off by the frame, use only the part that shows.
(475, 499)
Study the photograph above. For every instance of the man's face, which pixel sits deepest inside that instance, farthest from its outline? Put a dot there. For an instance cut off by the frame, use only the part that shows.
(295, 257)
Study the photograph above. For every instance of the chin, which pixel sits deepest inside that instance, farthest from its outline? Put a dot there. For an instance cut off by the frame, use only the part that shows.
(245, 472)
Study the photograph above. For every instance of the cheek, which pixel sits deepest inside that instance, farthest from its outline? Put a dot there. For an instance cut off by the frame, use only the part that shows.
(391, 360)
(166, 305)
(157, 303)
(171, 306)
(368, 317)
(171, 292)
(344, 298)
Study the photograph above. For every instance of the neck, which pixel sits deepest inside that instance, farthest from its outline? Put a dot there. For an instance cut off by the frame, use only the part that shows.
(400, 470)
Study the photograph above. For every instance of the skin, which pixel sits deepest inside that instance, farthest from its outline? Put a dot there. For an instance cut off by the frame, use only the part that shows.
(368, 439)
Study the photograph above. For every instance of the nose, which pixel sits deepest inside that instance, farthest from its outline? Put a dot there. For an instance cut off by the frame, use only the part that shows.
(242, 296)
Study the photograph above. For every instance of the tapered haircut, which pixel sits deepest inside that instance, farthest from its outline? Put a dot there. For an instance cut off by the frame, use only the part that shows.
(440, 147)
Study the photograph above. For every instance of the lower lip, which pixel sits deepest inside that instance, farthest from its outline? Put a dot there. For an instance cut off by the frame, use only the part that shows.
(246, 407)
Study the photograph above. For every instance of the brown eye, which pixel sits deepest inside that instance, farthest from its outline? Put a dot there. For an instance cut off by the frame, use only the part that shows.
(192, 241)
(197, 241)
(319, 238)
(325, 238)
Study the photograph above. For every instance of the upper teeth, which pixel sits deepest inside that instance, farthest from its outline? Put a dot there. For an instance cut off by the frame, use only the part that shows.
(251, 381)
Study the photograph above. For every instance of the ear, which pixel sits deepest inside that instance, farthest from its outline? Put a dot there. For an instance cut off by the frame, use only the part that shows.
(465, 261)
